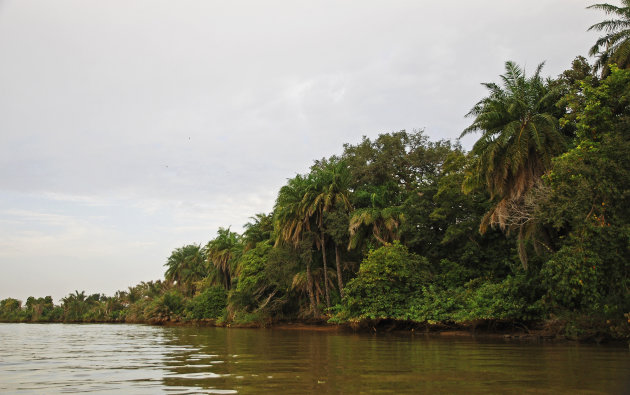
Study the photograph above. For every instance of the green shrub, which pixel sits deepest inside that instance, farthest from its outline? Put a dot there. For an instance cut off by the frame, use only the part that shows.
(478, 299)
(503, 300)
(572, 279)
(436, 304)
(169, 305)
(388, 279)
(210, 303)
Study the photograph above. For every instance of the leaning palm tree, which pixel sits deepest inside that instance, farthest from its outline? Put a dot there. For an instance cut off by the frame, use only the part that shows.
(614, 46)
(519, 137)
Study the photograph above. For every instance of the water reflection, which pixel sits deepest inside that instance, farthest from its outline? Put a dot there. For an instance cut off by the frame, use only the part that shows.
(256, 361)
(143, 359)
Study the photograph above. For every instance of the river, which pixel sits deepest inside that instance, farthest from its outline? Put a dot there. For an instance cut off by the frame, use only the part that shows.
(140, 359)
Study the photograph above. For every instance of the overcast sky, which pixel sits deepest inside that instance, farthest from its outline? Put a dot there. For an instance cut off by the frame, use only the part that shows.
(130, 128)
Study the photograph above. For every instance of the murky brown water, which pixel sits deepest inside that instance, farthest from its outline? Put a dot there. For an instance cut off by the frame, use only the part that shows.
(137, 359)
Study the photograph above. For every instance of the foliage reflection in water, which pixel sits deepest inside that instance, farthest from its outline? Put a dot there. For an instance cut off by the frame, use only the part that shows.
(144, 359)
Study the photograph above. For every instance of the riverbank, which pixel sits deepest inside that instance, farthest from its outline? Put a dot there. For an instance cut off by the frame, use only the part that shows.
(539, 331)
(552, 331)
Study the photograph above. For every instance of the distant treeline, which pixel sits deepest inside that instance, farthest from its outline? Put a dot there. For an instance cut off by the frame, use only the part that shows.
(531, 226)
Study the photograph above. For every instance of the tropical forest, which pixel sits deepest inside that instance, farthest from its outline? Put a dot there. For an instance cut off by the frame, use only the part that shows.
(529, 230)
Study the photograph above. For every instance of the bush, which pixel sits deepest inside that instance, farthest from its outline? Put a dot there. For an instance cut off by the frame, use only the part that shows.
(210, 303)
(170, 305)
(436, 304)
(572, 279)
(388, 279)
(503, 300)
(478, 299)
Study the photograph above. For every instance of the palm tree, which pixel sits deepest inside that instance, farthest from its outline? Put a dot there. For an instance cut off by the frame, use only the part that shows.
(614, 46)
(133, 295)
(153, 289)
(289, 213)
(222, 252)
(74, 306)
(381, 217)
(520, 135)
(185, 266)
(300, 282)
(292, 226)
(260, 229)
(327, 189)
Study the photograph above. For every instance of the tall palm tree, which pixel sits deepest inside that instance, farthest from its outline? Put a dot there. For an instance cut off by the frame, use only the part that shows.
(614, 46)
(222, 253)
(292, 226)
(327, 189)
(337, 193)
(520, 135)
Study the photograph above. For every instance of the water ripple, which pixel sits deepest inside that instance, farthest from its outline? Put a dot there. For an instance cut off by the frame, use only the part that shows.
(138, 359)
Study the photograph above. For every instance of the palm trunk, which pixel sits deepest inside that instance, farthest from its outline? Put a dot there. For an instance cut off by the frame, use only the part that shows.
(325, 270)
(338, 262)
(522, 248)
(309, 289)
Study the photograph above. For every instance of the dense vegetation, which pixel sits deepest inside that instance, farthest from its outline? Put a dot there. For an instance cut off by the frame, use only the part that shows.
(531, 226)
